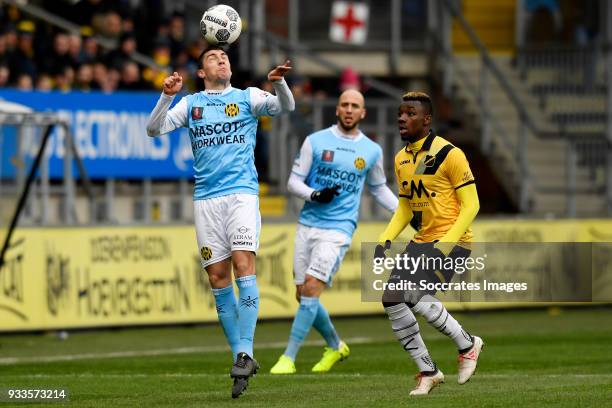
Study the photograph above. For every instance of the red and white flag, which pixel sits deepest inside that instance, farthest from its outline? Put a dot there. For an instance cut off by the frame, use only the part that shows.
(349, 22)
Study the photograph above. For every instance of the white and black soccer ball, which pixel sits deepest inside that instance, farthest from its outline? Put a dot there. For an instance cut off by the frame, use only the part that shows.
(220, 25)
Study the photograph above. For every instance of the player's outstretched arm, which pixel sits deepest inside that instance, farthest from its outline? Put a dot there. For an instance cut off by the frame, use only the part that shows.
(265, 104)
(468, 197)
(161, 120)
(398, 222)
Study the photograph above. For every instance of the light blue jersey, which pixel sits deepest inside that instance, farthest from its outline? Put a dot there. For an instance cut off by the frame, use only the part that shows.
(222, 130)
(328, 158)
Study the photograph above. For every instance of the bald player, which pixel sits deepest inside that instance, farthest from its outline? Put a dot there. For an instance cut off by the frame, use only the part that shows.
(329, 173)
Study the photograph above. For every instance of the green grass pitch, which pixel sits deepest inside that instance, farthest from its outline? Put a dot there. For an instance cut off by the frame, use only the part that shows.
(532, 358)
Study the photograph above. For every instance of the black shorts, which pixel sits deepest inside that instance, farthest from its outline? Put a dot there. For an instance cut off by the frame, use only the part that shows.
(433, 267)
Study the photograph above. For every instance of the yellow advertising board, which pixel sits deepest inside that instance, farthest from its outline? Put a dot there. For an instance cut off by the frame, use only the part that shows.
(112, 276)
(84, 277)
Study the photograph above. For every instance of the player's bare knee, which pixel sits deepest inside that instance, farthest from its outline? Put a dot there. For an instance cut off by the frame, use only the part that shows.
(312, 287)
(243, 265)
(218, 279)
(244, 269)
(219, 274)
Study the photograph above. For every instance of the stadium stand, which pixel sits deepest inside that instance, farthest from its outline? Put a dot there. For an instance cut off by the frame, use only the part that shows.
(536, 116)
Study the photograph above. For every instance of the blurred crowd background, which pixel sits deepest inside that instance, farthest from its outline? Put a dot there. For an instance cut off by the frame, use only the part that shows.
(37, 55)
(530, 105)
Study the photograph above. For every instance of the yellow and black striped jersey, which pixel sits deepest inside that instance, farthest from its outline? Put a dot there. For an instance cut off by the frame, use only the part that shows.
(428, 179)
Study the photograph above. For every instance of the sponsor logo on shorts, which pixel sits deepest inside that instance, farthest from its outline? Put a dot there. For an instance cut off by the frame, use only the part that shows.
(206, 253)
(315, 269)
(242, 243)
(243, 237)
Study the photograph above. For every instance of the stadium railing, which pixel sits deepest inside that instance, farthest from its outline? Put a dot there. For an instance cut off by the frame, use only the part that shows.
(585, 148)
(16, 186)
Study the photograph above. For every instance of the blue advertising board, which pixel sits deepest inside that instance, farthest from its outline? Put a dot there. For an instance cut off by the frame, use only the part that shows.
(109, 131)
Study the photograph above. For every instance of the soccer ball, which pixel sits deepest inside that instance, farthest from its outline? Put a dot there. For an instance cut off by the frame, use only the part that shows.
(220, 25)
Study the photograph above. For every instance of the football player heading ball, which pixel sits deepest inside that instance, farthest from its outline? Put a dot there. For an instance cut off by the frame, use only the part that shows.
(222, 122)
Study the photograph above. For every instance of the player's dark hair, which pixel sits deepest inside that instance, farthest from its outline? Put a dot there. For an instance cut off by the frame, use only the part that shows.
(421, 97)
(210, 47)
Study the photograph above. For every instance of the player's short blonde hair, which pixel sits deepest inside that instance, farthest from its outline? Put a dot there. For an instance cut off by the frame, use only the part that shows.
(420, 97)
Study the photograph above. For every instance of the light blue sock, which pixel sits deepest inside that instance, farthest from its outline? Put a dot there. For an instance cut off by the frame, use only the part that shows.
(324, 325)
(227, 310)
(247, 312)
(302, 323)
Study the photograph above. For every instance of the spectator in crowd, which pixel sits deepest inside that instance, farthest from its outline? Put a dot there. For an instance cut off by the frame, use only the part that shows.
(25, 82)
(63, 78)
(130, 77)
(108, 25)
(161, 56)
(44, 82)
(110, 82)
(127, 47)
(10, 37)
(100, 72)
(4, 52)
(349, 79)
(176, 34)
(21, 60)
(89, 49)
(4, 75)
(84, 77)
(127, 24)
(75, 45)
(59, 58)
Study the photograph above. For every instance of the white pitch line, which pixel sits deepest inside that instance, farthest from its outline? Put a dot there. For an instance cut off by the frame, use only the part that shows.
(159, 352)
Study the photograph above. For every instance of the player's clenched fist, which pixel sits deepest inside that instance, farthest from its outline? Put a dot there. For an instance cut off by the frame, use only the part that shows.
(173, 84)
